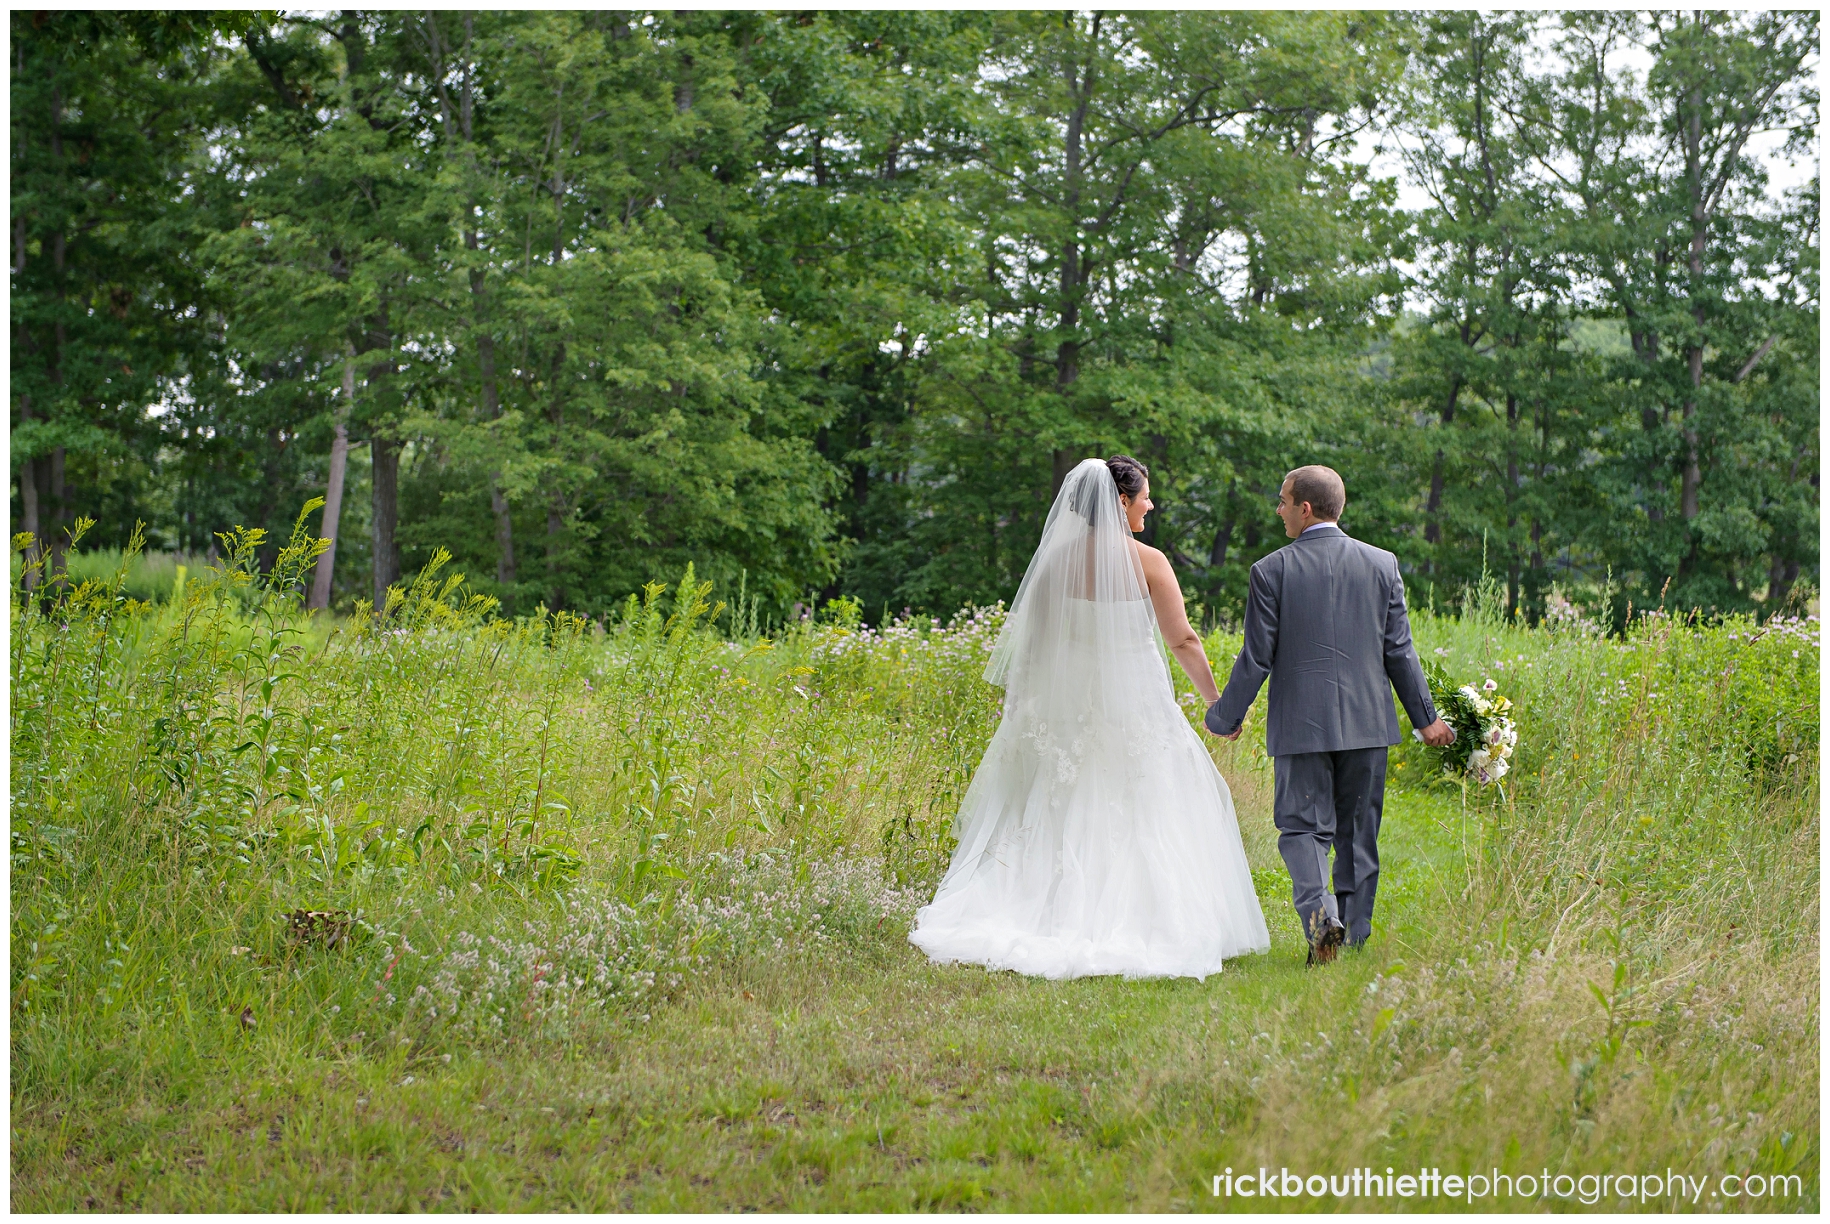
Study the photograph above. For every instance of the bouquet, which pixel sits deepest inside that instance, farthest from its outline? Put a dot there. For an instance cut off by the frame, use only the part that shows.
(1484, 732)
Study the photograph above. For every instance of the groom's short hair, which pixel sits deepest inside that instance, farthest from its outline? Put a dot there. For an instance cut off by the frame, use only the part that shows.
(1321, 487)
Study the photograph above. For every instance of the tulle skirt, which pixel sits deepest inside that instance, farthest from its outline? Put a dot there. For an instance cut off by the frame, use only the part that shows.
(1096, 838)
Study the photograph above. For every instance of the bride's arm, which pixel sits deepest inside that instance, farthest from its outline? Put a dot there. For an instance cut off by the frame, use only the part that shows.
(1172, 619)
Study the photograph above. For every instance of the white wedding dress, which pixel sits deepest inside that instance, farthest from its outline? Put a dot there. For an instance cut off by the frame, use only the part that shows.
(1096, 837)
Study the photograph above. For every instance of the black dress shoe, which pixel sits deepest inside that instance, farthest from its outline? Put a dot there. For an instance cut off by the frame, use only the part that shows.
(1323, 950)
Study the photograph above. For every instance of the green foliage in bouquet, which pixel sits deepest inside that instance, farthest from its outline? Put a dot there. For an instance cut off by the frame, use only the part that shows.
(1484, 732)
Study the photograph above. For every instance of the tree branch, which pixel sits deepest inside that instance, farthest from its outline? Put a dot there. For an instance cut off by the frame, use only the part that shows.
(1760, 352)
(268, 70)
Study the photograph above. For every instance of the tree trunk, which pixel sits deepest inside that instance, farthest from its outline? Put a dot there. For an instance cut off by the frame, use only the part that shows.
(28, 469)
(1216, 556)
(555, 415)
(269, 552)
(492, 410)
(385, 490)
(28, 501)
(1512, 495)
(505, 533)
(1690, 494)
(333, 489)
(555, 529)
(1780, 578)
(60, 515)
(59, 543)
(55, 544)
(1432, 529)
(1691, 489)
(459, 123)
(683, 89)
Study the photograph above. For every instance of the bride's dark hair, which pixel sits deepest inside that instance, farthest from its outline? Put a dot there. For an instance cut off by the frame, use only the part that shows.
(1128, 474)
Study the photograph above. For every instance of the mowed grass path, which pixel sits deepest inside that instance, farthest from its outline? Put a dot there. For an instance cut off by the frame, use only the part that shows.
(801, 1085)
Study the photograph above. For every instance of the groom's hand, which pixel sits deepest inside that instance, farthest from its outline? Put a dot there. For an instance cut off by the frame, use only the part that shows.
(1225, 735)
(1438, 734)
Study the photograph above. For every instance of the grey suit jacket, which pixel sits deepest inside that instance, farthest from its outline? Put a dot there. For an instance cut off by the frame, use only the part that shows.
(1325, 620)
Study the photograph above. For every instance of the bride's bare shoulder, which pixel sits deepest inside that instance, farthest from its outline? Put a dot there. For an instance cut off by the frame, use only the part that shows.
(1148, 555)
(1152, 560)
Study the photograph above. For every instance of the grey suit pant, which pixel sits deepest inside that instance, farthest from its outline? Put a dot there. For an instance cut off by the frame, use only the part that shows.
(1331, 799)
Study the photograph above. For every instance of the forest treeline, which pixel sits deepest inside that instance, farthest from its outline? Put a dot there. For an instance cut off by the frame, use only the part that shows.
(827, 303)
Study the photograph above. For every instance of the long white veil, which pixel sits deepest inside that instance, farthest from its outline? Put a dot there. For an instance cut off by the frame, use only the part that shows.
(1083, 610)
(1097, 836)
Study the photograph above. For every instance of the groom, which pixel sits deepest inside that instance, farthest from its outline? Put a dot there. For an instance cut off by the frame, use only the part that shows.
(1325, 620)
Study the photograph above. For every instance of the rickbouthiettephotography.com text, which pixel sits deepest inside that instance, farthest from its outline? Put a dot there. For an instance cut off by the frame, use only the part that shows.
(1666, 1191)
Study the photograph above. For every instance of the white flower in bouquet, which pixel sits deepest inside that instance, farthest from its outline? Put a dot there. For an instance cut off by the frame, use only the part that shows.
(1478, 759)
(1488, 772)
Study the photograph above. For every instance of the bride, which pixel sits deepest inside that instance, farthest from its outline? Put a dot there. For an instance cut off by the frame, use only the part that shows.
(1097, 837)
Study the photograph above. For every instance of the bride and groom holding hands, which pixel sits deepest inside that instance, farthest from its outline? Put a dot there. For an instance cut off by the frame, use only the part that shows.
(1097, 837)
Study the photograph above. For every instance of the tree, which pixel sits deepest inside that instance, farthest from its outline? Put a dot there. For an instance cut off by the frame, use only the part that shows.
(827, 302)
(605, 384)
(1513, 400)
(1672, 227)
(107, 303)
(1164, 219)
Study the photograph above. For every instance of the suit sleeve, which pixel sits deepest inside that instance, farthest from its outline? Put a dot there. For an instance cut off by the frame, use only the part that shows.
(1401, 663)
(1255, 655)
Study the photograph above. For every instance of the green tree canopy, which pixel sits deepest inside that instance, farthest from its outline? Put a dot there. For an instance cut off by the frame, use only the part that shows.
(825, 303)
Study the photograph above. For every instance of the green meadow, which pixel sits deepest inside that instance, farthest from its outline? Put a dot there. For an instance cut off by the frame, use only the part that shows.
(431, 909)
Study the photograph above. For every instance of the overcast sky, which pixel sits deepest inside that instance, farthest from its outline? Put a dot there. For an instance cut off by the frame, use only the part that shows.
(1783, 174)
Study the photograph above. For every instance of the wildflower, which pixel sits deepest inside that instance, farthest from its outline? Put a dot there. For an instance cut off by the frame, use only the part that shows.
(1489, 685)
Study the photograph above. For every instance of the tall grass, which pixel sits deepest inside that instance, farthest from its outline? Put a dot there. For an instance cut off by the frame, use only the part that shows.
(187, 776)
(149, 577)
(244, 836)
